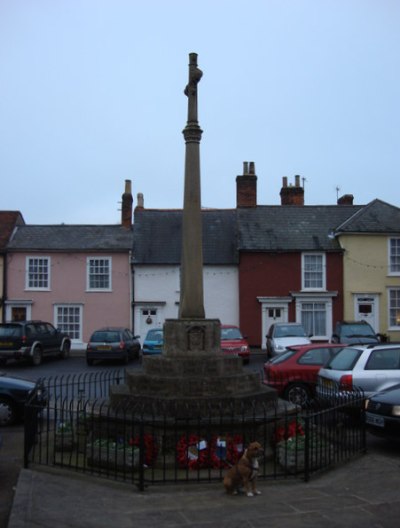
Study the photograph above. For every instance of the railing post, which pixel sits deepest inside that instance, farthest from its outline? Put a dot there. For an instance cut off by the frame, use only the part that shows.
(307, 446)
(141, 456)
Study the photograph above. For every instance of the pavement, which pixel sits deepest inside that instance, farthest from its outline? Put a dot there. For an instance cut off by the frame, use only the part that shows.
(362, 493)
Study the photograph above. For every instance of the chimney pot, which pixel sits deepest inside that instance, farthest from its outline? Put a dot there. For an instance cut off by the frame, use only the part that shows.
(140, 201)
(292, 195)
(245, 167)
(252, 168)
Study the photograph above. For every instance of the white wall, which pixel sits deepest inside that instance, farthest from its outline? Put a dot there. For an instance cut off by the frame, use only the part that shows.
(158, 287)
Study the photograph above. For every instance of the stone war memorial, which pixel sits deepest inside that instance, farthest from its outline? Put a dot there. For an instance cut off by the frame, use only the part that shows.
(192, 376)
(188, 413)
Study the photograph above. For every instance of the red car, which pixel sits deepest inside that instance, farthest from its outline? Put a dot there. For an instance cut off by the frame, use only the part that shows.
(232, 342)
(294, 372)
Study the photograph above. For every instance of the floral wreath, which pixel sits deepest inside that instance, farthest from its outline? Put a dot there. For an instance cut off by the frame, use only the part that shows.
(194, 452)
(150, 447)
(289, 430)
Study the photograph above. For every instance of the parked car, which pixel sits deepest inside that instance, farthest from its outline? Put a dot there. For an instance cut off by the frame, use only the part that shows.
(354, 333)
(233, 342)
(283, 335)
(112, 343)
(293, 374)
(153, 342)
(382, 412)
(366, 368)
(14, 393)
(32, 340)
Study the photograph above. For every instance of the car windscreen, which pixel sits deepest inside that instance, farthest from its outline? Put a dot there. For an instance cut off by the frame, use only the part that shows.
(357, 330)
(230, 333)
(282, 357)
(105, 337)
(290, 331)
(345, 359)
(10, 330)
(154, 335)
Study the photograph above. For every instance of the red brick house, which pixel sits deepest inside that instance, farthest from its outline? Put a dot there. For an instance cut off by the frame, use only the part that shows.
(290, 266)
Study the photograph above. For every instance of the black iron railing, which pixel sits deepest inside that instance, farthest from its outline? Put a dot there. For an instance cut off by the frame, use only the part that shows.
(78, 429)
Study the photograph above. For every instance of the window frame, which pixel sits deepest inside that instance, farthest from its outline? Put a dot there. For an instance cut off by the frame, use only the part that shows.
(62, 325)
(89, 274)
(37, 258)
(304, 257)
(391, 272)
(395, 308)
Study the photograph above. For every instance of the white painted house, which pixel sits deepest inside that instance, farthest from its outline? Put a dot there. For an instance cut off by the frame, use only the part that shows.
(156, 266)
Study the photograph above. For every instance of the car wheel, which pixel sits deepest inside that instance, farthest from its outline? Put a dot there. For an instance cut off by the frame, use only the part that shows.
(66, 348)
(8, 413)
(298, 394)
(36, 357)
(89, 362)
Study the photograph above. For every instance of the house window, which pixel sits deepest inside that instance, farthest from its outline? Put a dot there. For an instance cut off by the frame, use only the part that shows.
(68, 318)
(394, 308)
(394, 256)
(313, 271)
(99, 273)
(313, 318)
(38, 273)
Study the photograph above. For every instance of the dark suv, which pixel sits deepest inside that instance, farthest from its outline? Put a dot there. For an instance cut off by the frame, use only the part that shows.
(32, 340)
(354, 333)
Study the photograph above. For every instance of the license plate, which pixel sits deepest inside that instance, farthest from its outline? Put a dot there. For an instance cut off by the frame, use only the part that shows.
(327, 384)
(374, 419)
(104, 347)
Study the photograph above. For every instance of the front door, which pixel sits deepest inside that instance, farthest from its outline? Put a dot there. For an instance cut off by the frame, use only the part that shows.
(366, 309)
(274, 315)
(149, 318)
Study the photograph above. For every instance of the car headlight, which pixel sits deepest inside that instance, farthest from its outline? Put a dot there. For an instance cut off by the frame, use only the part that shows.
(244, 348)
(280, 348)
(396, 410)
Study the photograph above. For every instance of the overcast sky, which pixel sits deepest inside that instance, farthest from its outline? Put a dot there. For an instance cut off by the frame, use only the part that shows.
(91, 94)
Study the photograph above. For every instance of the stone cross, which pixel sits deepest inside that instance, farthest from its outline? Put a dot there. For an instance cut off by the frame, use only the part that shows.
(191, 297)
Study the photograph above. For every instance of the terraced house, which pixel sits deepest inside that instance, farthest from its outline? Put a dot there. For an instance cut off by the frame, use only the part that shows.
(77, 277)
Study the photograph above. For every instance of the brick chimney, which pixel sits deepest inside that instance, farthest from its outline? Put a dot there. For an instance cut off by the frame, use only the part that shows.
(292, 195)
(126, 209)
(346, 199)
(246, 186)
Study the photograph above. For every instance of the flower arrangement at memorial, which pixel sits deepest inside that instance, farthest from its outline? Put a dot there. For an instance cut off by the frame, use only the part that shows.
(195, 452)
(150, 447)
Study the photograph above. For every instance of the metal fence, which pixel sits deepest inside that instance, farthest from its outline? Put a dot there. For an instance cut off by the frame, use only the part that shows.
(78, 431)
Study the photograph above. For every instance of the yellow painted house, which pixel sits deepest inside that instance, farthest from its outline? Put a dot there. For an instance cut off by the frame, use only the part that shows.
(371, 267)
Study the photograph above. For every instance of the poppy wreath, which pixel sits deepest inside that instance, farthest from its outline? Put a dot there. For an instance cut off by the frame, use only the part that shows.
(233, 451)
(289, 430)
(194, 452)
(150, 447)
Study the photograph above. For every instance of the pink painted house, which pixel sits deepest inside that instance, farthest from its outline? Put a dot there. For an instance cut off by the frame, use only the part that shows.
(77, 277)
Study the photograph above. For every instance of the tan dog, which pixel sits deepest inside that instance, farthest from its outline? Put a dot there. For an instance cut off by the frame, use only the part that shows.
(244, 473)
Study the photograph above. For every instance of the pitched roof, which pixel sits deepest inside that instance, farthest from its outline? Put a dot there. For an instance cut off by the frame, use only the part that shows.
(72, 238)
(8, 221)
(158, 236)
(291, 228)
(376, 217)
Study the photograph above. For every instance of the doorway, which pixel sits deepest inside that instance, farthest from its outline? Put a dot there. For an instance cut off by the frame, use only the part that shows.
(366, 309)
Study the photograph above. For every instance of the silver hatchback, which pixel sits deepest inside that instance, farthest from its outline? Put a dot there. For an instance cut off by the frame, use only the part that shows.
(367, 368)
